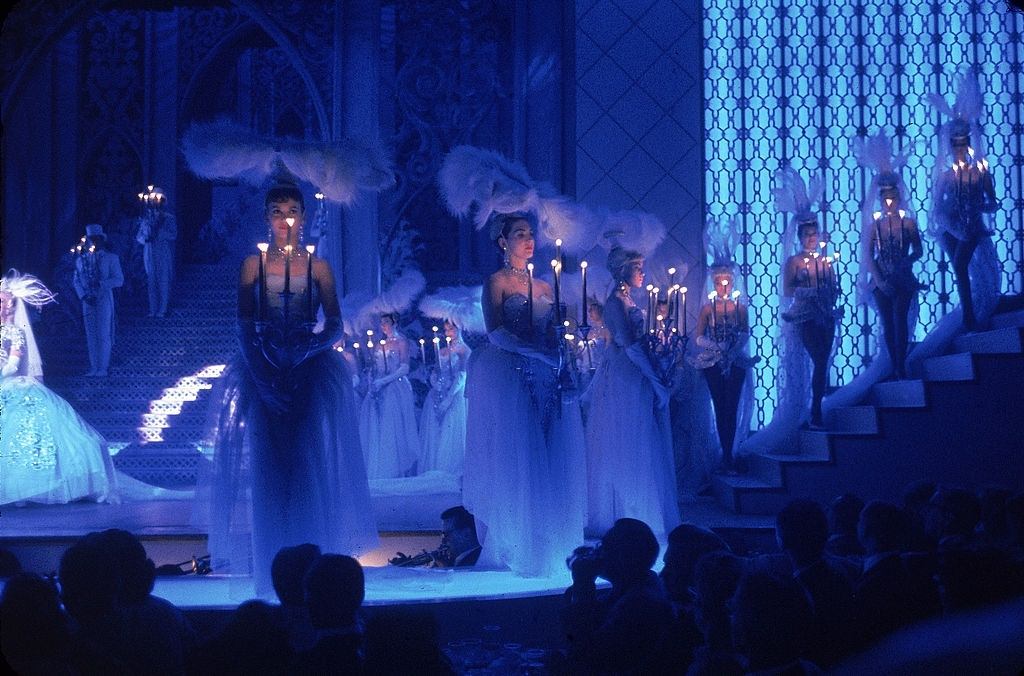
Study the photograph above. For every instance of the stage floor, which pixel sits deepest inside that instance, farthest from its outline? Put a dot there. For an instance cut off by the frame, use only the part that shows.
(39, 534)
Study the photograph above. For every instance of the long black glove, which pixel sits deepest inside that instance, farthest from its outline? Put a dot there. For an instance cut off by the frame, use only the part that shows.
(326, 339)
(271, 383)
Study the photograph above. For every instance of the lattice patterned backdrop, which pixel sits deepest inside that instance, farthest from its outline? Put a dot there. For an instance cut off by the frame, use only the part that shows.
(795, 81)
(638, 115)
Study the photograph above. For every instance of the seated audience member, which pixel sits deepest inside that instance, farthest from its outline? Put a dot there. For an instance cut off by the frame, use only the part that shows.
(252, 642)
(287, 573)
(916, 497)
(715, 579)
(335, 588)
(617, 632)
(890, 594)
(801, 528)
(90, 587)
(157, 636)
(404, 641)
(843, 513)
(771, 621)
(36, 636)
(973, 578)
(686, 544)
(952, 516)
(9, 564)
(993, 525)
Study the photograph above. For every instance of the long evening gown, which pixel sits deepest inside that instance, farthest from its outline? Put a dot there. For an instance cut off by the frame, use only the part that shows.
(48, 453)
(630, 460)
(387, 421)
(443, 432)
(285, 478)
(525, 466)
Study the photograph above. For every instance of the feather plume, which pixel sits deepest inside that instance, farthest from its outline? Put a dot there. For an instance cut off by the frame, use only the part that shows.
(476, 177)
(792, 195)
(460, 304)
(340, 170)
(397, 298)
(720, 241)
(875, 152)
(634, 230)
(27, 288)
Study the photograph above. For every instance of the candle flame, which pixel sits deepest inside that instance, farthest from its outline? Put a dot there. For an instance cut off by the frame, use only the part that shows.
(570, 337)
(650, 287)
(565, 323)
(436, 341)
(735, 294)
(355, 345)
(434, 329)
(288, 249)
(725, 282)
(558, 242)
(369, 332)
(682, 289)
(712, 295)
(263, 246)
(671, 271)
(290, 221)
(149, 188)
(902, 213)
(422, 342)
(888, 201)
(583, 264)
(554, 263)
(310, 248)
(319, 195)
(369, 343)
(984, 162)
(529, 266)
(877, 215)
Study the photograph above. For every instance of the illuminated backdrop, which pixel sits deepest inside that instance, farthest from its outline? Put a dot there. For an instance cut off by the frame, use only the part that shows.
(795, 81)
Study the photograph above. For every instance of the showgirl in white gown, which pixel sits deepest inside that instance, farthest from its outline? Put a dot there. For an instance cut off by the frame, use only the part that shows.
(630, 464)
(387, 416)
(443, 421)
(525, 470)
(287, 466)
(48, 453)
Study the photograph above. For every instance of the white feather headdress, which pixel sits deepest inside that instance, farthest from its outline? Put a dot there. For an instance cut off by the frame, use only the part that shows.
(339, 169)
(793, 196)
(460, 304)
(27, 289)
(476, 177)
(634, 230)
(720, 241)
(397, 298)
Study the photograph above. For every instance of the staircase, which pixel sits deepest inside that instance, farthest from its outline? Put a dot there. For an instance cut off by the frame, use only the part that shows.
(961, 422)
(154, 408)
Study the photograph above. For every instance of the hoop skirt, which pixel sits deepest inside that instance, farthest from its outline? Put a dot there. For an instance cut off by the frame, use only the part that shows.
(48, 453)
(443, 432)
(525, 465)
(285, 478)
(630, 460)
(387, 425)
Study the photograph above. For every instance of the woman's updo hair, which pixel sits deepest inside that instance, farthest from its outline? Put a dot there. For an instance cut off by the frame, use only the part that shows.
(499, 225)
(393, 316)
(619, 258)
(283, 191)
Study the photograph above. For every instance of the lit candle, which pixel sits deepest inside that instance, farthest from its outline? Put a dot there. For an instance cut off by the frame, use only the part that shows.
(423, 351)
(682, 291)
(261, 294)
(658, 318)
(807, 272)
(714, 310)
(448, 346)
(558, 298)
(736, 307)
(309, 282)
(529, 297)
(287, 269)
(878, 232)
(359, 354)
(650, 308)
(558, 250)
(437, 346)
(384, 353)
(586, 314)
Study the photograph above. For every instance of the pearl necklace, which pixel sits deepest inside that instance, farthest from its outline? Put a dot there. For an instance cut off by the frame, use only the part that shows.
(517, 272)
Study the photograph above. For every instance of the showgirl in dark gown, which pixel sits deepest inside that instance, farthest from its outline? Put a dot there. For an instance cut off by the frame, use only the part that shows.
(288, 467)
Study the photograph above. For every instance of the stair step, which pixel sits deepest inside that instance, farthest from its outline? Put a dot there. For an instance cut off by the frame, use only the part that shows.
(852, 420)
(1008, 319)
(948, 368)
(770, 467)
(899, 394)
(999, 341)
(748, 494)
(814, 444)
